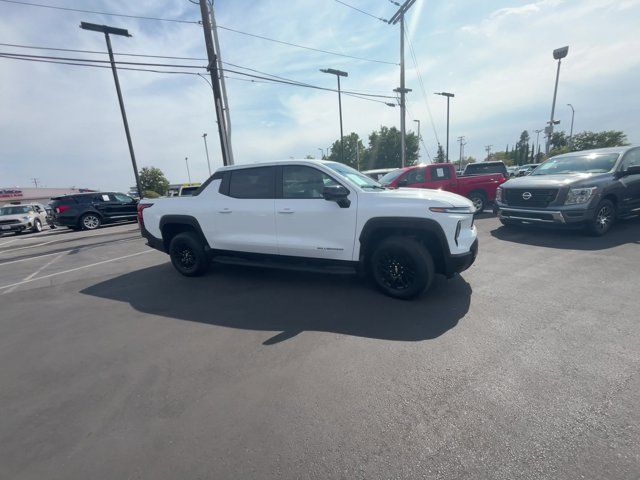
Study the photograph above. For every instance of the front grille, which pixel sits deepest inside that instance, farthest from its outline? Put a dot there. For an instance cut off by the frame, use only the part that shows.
(540, 197)
(7, 222)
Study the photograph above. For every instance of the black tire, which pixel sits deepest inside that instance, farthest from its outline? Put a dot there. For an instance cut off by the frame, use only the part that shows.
(479, 201)
(37, 226)
(508, 223)
(187, 255)
(90, 221)
(74, 228)
(603, 218)
(402, 267)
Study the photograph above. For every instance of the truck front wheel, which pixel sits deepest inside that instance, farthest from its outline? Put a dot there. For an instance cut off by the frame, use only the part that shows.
(187, 254)
(479, 201)
(402, 267)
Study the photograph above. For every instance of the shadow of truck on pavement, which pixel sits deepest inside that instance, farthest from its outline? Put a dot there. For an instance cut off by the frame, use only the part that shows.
(289, 302)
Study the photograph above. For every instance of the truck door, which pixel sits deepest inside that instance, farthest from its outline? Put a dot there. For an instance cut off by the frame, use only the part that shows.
(414, 178)
(440, 178)
(630, 194)
(308, 225)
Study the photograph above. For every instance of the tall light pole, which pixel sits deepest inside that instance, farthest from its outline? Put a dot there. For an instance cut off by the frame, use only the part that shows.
(461, 139)
(538, 138)
(449, 97)
(186, 160)
(558, 54)
(418, 122)
(321, 152)
(206, 149)
(125, 33)
(402, 90)
(488, 150)
(573, 114)
(338, 74)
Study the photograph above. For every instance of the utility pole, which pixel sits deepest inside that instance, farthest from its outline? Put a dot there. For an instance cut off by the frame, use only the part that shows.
(449, 97)
(488, 150)
(573, 114)
(399, 17)
(418, 122)
(558, 54)
(186, 160)
(338, 74)
(125, 33)
(35, 182)
(215, 83)
(461, 139)
(223, 86)
(206, 149)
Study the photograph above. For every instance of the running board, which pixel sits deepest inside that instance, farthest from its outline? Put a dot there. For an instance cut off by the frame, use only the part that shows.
(296, 267)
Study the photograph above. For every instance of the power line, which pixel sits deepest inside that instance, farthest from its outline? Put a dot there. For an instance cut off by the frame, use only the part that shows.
(79, 62)
(422, 89)
(89, 60)
(140, 17)
(360, 10)
(95, 12)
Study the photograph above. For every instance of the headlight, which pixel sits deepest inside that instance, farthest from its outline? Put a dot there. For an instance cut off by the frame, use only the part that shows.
(458, 210)
(499, 194)
(26, 218)
(580, 195)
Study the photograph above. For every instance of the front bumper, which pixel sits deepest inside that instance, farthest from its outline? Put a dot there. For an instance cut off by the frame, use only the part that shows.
(551, 216)
(460, 262)
(15, 227)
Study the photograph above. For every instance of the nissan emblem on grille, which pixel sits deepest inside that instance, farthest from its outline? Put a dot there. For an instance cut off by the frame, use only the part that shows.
(526, 195)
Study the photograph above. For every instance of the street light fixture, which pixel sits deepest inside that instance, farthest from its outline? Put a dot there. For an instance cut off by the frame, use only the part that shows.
(449, 97)
(558, 54)
(321, 152)
(186, 160)
(338, 74)
(124, 33)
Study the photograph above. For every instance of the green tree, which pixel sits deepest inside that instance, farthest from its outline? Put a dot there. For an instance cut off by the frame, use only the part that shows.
(384, 149)
(522, 148)
(607, 138)
(440, 156)
(152, 179)
(354, 151)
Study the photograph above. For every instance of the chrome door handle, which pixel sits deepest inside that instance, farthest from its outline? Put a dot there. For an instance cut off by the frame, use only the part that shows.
(285, 211)
(224, 211)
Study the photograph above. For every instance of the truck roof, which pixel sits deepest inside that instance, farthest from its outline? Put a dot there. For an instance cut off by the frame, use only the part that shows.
(601, 150)
(268, 163)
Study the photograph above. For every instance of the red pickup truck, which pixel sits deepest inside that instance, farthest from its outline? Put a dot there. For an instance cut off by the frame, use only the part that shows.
(480, 189)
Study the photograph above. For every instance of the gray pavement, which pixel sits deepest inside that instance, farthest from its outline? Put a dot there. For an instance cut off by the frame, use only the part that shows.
(114, 366)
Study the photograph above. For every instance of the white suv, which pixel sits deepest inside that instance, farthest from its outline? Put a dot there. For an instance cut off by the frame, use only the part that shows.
(310, 212)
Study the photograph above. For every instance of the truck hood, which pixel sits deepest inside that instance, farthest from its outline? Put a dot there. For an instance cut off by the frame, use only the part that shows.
(18, 216)
(448, 198)
(556, 181)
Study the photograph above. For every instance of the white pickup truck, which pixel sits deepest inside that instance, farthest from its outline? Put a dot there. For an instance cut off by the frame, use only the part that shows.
(310, 213)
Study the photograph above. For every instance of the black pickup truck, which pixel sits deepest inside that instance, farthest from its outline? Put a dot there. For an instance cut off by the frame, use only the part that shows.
(590, 189)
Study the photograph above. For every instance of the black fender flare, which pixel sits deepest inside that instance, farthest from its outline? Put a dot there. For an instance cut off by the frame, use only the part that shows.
(183, 220)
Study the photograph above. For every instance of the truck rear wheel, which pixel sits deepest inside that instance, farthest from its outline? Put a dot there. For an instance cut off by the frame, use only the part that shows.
(187, 255)
(402, 267)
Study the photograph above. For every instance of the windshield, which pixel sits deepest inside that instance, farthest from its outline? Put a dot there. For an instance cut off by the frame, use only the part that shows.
(591, 163)
(353, 175)
(14, 210)
(391, 176)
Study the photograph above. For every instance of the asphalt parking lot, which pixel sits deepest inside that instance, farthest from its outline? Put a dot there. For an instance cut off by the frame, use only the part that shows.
(114, 366)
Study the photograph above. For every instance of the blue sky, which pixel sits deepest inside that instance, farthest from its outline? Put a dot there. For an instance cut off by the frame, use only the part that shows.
(62, 125)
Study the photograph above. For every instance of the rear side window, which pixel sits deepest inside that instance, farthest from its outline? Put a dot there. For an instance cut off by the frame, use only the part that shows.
(440, 173)
(415, 176)
(252, 183)
(481, 169)
(84, 199)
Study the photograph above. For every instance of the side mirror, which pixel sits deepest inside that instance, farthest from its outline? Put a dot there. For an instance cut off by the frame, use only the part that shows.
(338, 194)
(403, 182)
(632, 170)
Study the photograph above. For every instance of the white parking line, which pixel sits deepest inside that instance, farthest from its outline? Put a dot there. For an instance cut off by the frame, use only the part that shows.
(29, 277)
(10, 241)
(56, 240)
(75, 269)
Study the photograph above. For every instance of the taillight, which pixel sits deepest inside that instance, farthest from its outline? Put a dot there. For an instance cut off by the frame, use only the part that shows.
(62, 208)
(141, 207)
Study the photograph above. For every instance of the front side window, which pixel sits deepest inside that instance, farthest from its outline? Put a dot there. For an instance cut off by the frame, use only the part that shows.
(299, 181)
(252, 183)
(631, 159)
(354, 176)
(415, 176)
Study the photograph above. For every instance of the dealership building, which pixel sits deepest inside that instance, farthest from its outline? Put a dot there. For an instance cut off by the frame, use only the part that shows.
(35, 195)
